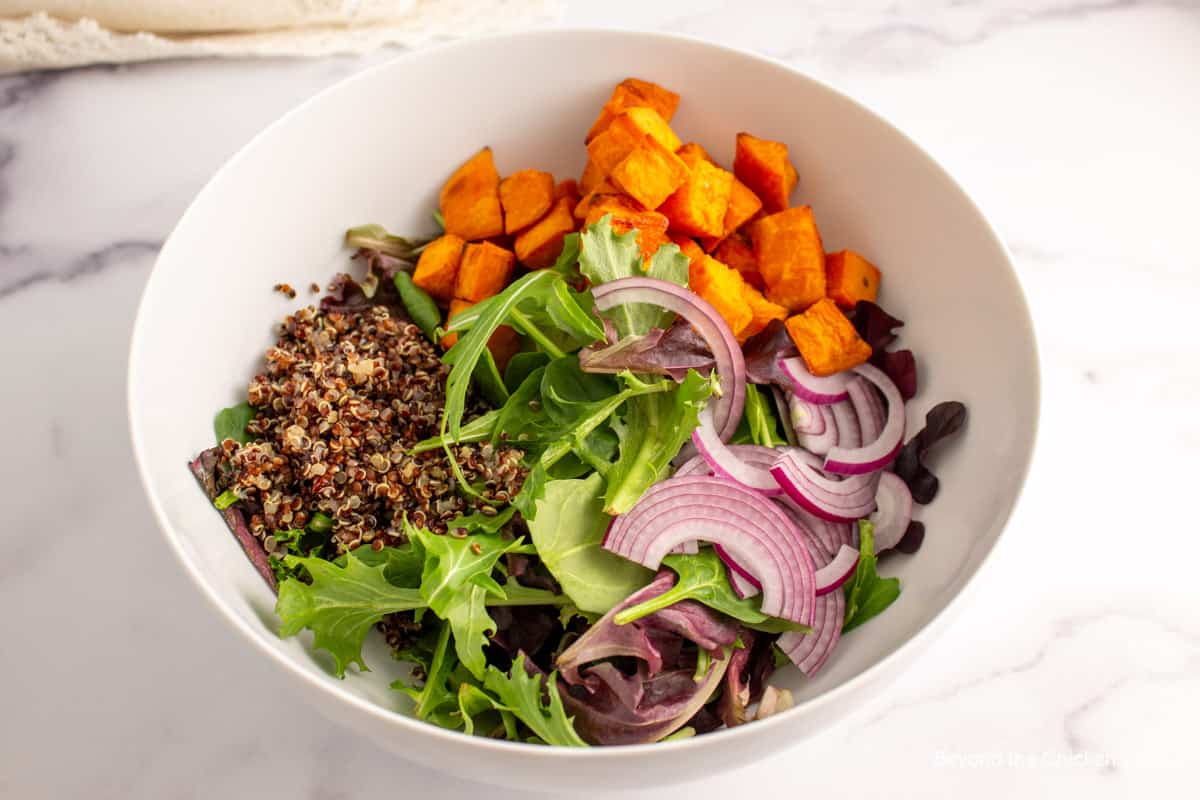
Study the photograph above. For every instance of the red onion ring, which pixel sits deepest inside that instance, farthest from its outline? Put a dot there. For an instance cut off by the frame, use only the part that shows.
(744, 584)
(730, 465)
(785, 414)
(837, 571)
(810, 651)
(822, 442)
(850, 460)
(870, 415)
(894, 505)
(730, 364)
(849, 432)
(809, 387)
(819, 494)
(748, 526)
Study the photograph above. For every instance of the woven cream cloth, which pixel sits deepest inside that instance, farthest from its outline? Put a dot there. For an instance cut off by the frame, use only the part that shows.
(55, 34)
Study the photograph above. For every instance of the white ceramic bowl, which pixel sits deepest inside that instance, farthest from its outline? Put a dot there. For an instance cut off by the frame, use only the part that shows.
(376, 148)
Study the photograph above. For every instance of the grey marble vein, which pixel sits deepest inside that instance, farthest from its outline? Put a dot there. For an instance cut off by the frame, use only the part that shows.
(115, 254)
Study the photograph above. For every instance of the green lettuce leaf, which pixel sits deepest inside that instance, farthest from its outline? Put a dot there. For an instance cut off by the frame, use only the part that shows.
(703, 578)
(434, 696)
(651, 432)
(340, 605)
(567, 529)
(526, 696)
(230, 423)
(609, 256)
(867, 594)
(761, 420)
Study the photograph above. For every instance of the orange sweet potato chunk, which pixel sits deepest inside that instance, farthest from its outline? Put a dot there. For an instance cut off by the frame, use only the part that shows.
(790, 257)
(737, 252)
(504, 342)
(634, 93)
(651, 226)
(604, 193)
(687, 246)
(437, 268)
(743, 206)
(762, 311)
(721, 286)
(849, 278)
(625, 133)
(567, 189)
(484, 271)
(650, 173)
(693, 152)
(525, 196)
(470, 199)
(539, 245)
(698, 207)
(590, 178)
(826, 339)
(763, 166)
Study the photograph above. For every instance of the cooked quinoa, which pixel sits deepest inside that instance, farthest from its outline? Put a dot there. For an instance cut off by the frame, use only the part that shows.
(343, 398)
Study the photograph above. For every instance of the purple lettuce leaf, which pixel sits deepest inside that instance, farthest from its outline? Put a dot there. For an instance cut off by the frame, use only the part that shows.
(533, 630)
(942, 421)
(672, 352)
(636, 683)
(204, 468)
(764, 350)
(731, 707)
(877, 328)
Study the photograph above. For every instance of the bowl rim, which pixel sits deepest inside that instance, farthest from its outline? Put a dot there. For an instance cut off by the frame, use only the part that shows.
(893, 661)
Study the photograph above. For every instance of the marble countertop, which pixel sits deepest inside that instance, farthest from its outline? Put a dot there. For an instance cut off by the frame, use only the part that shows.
(1074, 668)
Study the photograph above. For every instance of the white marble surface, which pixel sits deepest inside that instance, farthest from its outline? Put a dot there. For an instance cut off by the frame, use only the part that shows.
(1074, 668)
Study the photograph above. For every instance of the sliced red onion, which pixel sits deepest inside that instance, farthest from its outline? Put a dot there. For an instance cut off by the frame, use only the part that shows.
(806, 416)
(838, 571)
(744, 584)
(870, 414)
(785, 414)
(822, 442)
(729, 465)
(818, 533)
(686, 549)
(810, 651)
(731, 366)
(849, 460)
(836, 501)
(804, 384)
(849, 432)
(749, 527)
(696, 465)
(894, 504)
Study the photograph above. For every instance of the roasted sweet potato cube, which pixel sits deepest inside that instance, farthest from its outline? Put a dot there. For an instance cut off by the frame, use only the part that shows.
(503, 343)
(698, 206)
(687, 246)
(651, 226)
(567, 189)
(737, 252)
(743, 206)
(457, 306)
(625, 133)
(470, 199)
(826, 339)
(634, 93)
(764, 167)
(437, 268)
(849, 278)
(604, 193)
(694, 151)
(484, 271)
(790, 257)
(590, 178)
(721, 286)
(526, 196)
(650, 173)
(762, 311)
(539, 245)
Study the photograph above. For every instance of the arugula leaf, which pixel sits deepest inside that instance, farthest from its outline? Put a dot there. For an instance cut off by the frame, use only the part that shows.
(230, 423)
(760, 417)
(567, 263)
(455, 584)
(653, 429)
(478, 429)
(434, 695)
(521, 365)
(469, 348)
(526, 696)
(703, 578)
(867, 595)
(488, 381)
(340, 605)
(567, 529)
(474, 702)
(609, 256)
